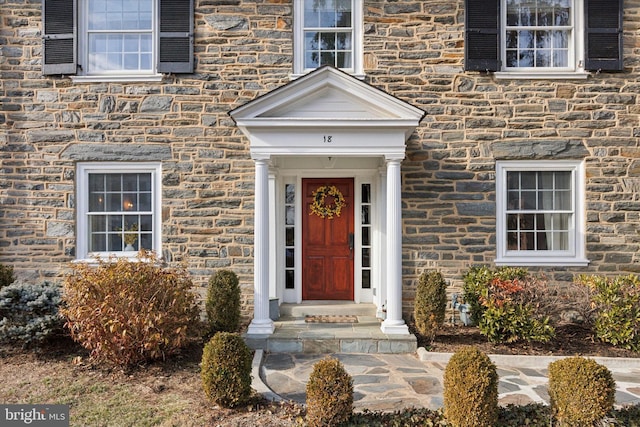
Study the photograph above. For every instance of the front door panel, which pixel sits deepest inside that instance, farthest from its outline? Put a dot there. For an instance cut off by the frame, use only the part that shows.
(327, 242)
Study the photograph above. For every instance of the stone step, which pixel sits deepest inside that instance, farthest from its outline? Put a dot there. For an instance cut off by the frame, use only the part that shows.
(333, 308)
(294, 335)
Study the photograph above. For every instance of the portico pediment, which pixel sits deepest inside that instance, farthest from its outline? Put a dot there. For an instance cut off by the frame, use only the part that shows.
(327, 111)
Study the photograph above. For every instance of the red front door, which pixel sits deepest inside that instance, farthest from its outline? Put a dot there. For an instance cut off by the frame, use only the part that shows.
(327, 242)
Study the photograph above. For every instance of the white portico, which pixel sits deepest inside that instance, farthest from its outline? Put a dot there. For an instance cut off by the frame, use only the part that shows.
(328, 130)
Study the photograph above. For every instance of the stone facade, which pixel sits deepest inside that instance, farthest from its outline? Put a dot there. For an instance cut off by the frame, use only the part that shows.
(413, 50)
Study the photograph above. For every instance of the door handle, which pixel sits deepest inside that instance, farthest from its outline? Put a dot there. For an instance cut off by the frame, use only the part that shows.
(351, 242)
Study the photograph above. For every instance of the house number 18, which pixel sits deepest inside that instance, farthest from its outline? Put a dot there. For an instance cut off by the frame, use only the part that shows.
(328, 138)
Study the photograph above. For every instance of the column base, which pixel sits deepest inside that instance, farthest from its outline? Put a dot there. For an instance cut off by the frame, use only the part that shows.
(261, 327)
(394, 327)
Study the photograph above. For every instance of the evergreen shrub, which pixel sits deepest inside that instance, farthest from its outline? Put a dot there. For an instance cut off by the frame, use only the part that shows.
(6, 275)
(581, 391)
(226, 370)
(223, 302)
(130, 311)
(329, 394)
(470, 389)
(430, 303)
(617, 302)
(29, 312)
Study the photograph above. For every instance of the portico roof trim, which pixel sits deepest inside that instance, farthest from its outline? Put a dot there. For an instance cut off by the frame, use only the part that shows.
(305, 105)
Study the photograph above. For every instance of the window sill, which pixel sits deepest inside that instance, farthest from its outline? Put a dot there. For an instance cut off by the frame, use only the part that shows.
(116, 79)
(548, 75)
(295, 76)
(95, 258)
(541, 262)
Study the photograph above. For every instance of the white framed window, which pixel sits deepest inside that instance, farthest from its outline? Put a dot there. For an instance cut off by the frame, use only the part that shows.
(119, 36)
(119, 209)
(540, 213)
(117, 40)
(328, 32)
(539, 34)
(543, 39)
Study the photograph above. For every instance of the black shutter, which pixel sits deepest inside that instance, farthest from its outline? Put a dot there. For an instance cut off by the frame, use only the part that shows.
(482, 35)
(603, 35)
(59, 37)
(176, 36)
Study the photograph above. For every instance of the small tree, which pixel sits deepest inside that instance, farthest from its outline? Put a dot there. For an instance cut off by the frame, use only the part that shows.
(582, 392)
(223, 302)
(226, 370)
(470, 389)
(329, 394)
(430, 303)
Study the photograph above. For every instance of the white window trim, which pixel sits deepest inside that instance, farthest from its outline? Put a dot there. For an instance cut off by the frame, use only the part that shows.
(112, 76)
(576, 55)
(575, 256)
(298, 40)
(82, 203)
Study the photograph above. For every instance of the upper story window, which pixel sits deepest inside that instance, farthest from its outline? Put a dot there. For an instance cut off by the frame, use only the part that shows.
(540, 207)
(119, 36)
(328, 32)
(118, 209)
(539, 34)
(103, 40)
(543, 38)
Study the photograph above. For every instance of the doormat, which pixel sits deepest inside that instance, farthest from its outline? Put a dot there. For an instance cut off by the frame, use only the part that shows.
(331, 319)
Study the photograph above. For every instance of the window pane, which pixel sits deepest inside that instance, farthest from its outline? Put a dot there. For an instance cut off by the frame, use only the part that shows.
(289, 279)
(146, 223)
(366, 257)
(366, 279)
(97, 223)
(289, 236)
(290, 193)
(366, 236)
(290, 215)
(366, 193)
(144, 202)
(366, 218)
(528, 179)
(98, 243)
(289, 256)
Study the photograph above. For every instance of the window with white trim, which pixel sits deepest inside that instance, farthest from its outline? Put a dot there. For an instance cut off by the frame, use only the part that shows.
(118, 209)
(539, 34)
(540, 217)
(117, 39)
(328, 32)
(543, 38)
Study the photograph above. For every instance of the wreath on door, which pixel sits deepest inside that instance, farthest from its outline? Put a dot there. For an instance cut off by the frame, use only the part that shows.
(326, 208)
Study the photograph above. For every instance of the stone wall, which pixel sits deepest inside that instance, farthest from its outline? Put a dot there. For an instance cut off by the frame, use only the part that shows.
(413, 50)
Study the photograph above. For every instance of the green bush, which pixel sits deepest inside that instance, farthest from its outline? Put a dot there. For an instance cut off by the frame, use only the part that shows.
(6, 275)
(29, 313)
(629, 416)
(223, 302)
(127, 312)
(530, 415)
(226, 370)
(581, 391)
(476, 285)
(470, 389)
(430, 303)
(617, 301)
(329, 394)
(508, 304)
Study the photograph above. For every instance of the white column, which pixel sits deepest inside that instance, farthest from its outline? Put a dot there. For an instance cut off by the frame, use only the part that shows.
(261, 323)
(394, 324)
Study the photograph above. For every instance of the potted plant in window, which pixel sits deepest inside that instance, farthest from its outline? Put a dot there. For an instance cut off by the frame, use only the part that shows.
(130, 237)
